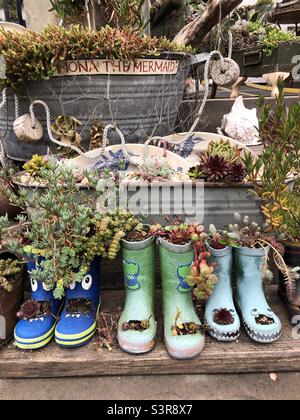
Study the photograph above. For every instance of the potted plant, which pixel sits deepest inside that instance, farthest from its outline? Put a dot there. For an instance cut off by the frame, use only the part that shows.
(122, 57)
(11, 293)
(279, 162)
(137, 325)
(62, 247)
(183, 332)
(220, 311)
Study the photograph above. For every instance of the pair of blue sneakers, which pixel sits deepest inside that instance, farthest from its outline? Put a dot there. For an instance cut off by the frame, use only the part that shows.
(72, 322)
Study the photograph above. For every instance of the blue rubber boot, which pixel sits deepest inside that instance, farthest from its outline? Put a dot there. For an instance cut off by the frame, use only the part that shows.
(35, 334)
(78, 320)
(220, 312)
(261, 324)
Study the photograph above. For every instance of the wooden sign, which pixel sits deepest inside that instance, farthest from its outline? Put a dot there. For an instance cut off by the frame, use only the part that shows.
(140, 67)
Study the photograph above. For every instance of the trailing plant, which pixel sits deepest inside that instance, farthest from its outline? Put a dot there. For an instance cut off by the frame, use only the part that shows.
(33, 56)
(221, 162)
(61, 223)
(9, 269)
(280, 160)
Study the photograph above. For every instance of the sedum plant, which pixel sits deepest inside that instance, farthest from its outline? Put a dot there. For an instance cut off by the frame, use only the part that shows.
(33, 56)
(9, 269)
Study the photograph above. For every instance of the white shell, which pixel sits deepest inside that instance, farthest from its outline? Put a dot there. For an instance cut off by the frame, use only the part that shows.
(226, 76)
(242, 123)
(24, 130)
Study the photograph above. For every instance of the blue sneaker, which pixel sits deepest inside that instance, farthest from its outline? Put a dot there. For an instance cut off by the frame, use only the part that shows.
(78, 321)
(36, 333)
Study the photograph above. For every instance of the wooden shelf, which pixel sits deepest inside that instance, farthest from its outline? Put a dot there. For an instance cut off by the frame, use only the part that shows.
(243, 356)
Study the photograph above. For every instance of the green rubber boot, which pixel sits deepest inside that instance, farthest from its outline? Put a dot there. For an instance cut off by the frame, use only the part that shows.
(139, 276)
(178, 308)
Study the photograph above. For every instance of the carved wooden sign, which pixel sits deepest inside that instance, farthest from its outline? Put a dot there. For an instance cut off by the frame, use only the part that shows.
(139, 67)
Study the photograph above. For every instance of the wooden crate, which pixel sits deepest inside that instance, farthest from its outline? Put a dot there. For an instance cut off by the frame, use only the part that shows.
(243, 356)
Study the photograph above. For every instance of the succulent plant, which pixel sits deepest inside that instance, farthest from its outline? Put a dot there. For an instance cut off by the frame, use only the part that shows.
(223, 317)
(237, 173)
(224, 149)
(221, 239)
(9, 269)
(32, 309)
(36, 165)
(215, 168)
(155, 167)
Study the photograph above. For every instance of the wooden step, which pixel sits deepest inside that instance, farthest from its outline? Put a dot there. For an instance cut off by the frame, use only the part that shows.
(243, 356)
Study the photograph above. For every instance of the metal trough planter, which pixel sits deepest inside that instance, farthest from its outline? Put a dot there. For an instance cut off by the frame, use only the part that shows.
(142, 104)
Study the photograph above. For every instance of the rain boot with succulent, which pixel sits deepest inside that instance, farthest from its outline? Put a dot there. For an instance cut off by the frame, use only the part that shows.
(183, 331)
(251, 262)
(220, 312)
(137, 326)
(38, 316)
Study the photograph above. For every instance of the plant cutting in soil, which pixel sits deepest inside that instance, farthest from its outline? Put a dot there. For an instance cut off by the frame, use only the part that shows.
(32, 309)
(136, 325)
(264, 320)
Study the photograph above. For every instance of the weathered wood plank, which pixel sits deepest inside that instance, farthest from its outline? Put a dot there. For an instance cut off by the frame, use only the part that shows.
(243, 356)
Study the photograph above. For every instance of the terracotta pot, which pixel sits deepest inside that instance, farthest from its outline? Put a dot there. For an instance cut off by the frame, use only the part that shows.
(10, 303)
(292, 259)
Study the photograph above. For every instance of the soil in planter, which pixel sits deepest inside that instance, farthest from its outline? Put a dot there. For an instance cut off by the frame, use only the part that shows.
(138, 235)
(188, 328)
(264, 320)
(136, 325)
(79, 306)
(223, 317)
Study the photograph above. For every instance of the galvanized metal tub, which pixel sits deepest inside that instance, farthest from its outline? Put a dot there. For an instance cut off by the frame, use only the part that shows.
(141, 105)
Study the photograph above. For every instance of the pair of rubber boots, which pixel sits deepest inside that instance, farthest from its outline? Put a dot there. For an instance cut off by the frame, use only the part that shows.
(178, 309)
(72, 322)
(221, 316)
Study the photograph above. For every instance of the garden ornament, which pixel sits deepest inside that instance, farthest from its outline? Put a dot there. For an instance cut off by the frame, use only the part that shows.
(139, 277)
(78, 321)
(226, 74)
(220, 313)
(25, 131)
(178, 308)
(36, 332)
(261, 324)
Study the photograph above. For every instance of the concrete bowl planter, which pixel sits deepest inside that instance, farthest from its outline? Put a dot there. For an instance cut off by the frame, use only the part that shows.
(143, 102)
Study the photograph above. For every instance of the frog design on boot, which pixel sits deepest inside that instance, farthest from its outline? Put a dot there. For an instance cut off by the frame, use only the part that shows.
(139, 276)
(177, 300)
(261, 323)
(37, 332)
(78, 321)
(220, 304)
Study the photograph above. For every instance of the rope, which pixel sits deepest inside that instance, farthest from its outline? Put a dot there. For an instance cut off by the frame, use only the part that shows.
(17, 106)
(230, 46)
(106, 141)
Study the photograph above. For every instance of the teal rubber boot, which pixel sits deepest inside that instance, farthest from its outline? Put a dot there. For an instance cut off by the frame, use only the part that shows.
(261, 324)
(220, 313)
(139, 276)
(178, 307)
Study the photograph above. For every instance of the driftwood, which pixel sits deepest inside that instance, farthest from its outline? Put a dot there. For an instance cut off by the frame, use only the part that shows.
(194, 33)
(164, 10)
